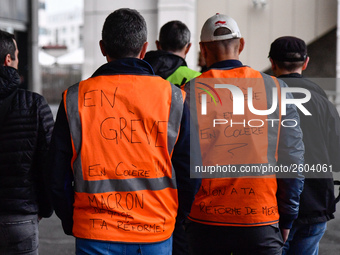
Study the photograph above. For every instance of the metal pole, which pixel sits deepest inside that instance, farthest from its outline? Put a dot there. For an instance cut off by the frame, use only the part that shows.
(34, 78)
(337, 89)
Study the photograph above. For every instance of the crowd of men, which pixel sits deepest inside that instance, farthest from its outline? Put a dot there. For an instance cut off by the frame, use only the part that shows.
(124, 166)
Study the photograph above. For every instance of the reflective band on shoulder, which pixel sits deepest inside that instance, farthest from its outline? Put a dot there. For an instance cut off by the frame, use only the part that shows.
(73, 115)
(176, 110)
(274, 131)
(195, 148)
(75, 126)
(175, 117)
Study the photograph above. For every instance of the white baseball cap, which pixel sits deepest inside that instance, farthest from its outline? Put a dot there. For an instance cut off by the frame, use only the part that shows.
(215, 22)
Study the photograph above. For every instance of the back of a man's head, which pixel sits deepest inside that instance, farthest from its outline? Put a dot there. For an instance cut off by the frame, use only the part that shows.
(174, 36)
(124, 33)
(289, 53)
(7, 46)
(220, 39)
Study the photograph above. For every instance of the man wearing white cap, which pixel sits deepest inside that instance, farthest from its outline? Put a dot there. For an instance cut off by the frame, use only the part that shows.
(247, 202)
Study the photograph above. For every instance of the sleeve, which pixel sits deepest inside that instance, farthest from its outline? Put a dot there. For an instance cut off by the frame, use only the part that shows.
(290, 154)
(61, 180)
(187, 187)
(45, 128)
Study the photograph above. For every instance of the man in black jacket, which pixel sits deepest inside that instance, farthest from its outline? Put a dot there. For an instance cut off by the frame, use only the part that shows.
(26, 124)
(321, 136)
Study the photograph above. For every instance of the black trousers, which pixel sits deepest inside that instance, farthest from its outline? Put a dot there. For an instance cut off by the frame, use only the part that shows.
(180, 244)
(218, 240)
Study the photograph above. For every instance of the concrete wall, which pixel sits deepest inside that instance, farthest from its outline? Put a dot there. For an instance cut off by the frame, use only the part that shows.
(155, 12)
(262, 24)
(20, 17)
(259, 24)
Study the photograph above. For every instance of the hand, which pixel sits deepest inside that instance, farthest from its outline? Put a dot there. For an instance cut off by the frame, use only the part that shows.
(285, 233)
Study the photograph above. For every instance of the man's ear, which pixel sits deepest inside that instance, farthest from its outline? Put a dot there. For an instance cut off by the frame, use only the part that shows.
(305, 64)
(158, 45)
(273, 65)
(241, 47)
(143, 51)
(102, 48)
(203, 51)
(8, 60)
(187, 48)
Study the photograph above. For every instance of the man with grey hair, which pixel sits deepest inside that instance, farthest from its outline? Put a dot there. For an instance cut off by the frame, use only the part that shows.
(122, 138)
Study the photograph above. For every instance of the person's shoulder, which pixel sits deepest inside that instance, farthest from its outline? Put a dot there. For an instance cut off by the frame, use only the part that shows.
(194, 73)
(186, 71)
(319, 99)
(30, 97)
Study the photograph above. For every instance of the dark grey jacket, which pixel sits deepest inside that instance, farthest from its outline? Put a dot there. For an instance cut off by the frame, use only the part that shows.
(321, 136)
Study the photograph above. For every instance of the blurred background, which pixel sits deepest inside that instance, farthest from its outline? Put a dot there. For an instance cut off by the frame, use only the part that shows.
(58, 42)
(59, 39)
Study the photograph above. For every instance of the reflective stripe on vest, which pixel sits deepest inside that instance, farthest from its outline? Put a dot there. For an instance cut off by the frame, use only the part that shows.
(124, 181)
(249, 199)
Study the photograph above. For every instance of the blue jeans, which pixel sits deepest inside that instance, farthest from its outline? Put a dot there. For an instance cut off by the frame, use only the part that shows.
(94, 247)
(304, 239)
(19, 234)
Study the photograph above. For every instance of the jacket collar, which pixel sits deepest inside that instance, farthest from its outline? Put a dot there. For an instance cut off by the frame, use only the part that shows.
(125, 66)
(164, 63)
(290, 75)
(230, 63)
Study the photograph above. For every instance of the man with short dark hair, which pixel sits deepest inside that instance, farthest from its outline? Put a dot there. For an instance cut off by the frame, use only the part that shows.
(242, 206)
(122, 138)
(321, 136)
(169, 59)
(26, 124)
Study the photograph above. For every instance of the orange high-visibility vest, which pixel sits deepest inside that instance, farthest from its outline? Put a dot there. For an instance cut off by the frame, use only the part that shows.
(123, 130)
(241, 142)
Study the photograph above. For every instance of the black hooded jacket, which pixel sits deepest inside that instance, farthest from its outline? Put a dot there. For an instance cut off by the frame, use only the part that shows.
(25, 134)
(164, 63)
(321, 136)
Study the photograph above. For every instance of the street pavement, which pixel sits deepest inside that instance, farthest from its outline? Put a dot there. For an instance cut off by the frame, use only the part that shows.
(53, 241)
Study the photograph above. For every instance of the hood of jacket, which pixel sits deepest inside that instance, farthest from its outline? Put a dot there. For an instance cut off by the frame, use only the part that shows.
(9, 80)
(164, 63)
